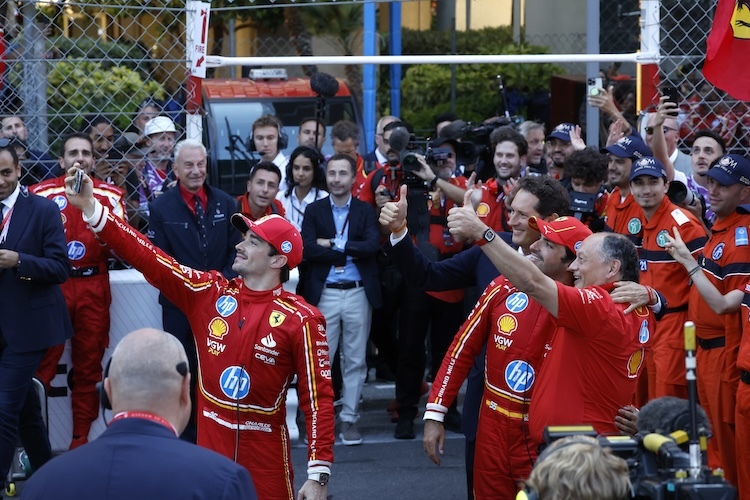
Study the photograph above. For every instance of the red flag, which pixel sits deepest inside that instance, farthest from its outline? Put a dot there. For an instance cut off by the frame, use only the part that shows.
(728, 47)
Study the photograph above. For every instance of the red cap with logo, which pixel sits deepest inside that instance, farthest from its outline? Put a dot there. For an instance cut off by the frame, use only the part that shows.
(277, 231)
(566, 231)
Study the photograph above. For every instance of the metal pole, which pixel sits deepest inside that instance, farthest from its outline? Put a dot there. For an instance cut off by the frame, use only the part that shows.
(232, 45)
(34, 86)
(369, 93)
(395, 30)
(592, 69)
(453, 66)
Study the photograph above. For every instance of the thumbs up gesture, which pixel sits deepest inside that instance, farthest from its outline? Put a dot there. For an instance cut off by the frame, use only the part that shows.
(463, 222)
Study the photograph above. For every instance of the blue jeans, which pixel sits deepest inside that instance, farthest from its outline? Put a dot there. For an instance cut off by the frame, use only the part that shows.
(20, 409)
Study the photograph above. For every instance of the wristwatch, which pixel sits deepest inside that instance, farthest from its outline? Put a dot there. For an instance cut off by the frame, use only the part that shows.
(320, 477)
(488, 236)
(332, 241)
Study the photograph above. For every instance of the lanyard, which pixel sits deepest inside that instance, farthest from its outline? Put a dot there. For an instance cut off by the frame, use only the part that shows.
(346, 223)
(5, 224)
(146, 416)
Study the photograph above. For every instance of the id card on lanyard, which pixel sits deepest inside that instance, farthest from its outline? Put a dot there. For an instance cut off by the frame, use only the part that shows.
(340, 269)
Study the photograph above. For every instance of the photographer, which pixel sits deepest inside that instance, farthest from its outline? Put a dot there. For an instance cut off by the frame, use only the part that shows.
(440, 313)
(587, 171)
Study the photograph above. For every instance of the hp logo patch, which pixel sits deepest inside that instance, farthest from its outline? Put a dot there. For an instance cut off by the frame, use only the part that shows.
(718, 252)
(519, 375)
(643, 333)
(76, 250)
(235, 382)
(226, 305)
(61, 202)
(516, 302)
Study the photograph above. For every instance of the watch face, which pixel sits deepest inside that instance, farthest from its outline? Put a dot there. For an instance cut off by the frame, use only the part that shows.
(323, 478)
(489, 235)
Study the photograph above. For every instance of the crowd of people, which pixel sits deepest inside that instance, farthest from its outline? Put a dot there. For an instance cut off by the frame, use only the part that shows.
(554, 276)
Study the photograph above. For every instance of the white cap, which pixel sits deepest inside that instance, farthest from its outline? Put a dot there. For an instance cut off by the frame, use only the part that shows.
(159, 124)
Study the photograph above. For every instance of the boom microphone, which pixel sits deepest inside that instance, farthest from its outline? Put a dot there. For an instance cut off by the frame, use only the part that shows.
(324, 84)
(455, 130)
(669, 414)
(399, 139)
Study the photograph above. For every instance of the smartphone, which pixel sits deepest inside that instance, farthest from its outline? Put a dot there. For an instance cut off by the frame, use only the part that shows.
(673, 95)
(594, 86)
(78, 181)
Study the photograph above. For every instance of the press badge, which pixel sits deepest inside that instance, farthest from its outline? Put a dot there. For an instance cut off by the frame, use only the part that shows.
(338, 269)
(740, 236)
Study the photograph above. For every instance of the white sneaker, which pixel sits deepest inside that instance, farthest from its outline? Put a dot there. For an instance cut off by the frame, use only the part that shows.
(349, 435)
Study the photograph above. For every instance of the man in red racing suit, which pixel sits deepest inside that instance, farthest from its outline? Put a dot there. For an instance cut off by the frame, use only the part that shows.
(252, 338)
(517, 331)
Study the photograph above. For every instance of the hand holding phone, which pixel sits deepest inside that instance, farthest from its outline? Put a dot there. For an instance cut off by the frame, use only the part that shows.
(78, 181)
(673, 95)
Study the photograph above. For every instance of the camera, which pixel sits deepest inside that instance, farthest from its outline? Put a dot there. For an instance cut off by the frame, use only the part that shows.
(679, 193)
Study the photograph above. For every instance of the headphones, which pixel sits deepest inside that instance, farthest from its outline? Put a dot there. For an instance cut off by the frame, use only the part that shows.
(281, 143)
(528, 493)
(181, 367)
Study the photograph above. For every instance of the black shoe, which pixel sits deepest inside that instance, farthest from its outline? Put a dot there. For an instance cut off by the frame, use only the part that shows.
(404, 429)
(452, 421)
(385, 373)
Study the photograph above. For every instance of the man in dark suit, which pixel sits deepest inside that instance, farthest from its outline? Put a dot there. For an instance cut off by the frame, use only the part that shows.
(139, 455)
(192, 224)
(341, 240)
(33, 262)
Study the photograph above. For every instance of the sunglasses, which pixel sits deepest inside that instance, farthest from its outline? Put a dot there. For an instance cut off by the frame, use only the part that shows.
(650, 130)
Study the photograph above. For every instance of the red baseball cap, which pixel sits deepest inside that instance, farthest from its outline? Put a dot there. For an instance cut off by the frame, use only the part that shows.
(277, 231)
(566, 231)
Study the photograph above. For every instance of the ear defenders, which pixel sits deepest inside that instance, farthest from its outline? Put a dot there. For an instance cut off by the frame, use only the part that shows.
(281, 144)
(181, 367)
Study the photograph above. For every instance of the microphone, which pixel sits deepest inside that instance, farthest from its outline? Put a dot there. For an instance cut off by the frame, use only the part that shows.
(324, 84)
(399, 139)
(669, 414)
(667, 450)
(455, 130)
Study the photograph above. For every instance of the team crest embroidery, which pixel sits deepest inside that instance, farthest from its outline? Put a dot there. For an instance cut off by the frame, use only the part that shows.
(661, 238)
(226, 305)
(634, 225)
(718, 252)
(276, 319)
(217, 328)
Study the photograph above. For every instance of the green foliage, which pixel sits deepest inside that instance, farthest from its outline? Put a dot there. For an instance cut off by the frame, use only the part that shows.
(109, 54)
(80, 87)
(425, 89)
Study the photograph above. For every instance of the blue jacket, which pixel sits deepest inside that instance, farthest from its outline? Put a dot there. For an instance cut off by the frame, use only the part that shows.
(137, 458)
(32, 307)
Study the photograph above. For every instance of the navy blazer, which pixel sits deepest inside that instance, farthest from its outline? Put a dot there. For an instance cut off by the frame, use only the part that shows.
(363, 245)
(173, 228)
(137, 458)
(470, 267)
(32, 307)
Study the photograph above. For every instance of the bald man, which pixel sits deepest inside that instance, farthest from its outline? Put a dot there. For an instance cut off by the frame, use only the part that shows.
(140, 455)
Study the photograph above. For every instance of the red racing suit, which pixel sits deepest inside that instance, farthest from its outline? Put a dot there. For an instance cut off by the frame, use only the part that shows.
(88, 297)
(250, 345)
(517, 331)
(726, 263)
(592, 369)
(659, 270)
(742, 411)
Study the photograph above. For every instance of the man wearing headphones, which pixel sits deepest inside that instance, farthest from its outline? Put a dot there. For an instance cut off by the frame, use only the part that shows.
(247, 325)
(147, 386)
(269, 140)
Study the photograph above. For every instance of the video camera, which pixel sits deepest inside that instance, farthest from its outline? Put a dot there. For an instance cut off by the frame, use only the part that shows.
(659, 468)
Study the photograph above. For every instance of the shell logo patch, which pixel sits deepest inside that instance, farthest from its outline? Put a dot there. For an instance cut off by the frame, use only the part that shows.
(217, 328)
(276, 319)
(635, 361)
(507, 324)
(483, 209)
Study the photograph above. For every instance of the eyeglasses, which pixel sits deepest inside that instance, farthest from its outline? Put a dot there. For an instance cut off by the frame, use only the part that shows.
(650, 130)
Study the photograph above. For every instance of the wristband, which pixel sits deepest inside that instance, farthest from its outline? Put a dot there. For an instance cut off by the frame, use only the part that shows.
(433, 182)
(694, 270)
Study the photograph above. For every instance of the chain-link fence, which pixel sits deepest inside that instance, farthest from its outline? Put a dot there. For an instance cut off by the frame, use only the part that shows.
(92, 67)
(684, 28)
